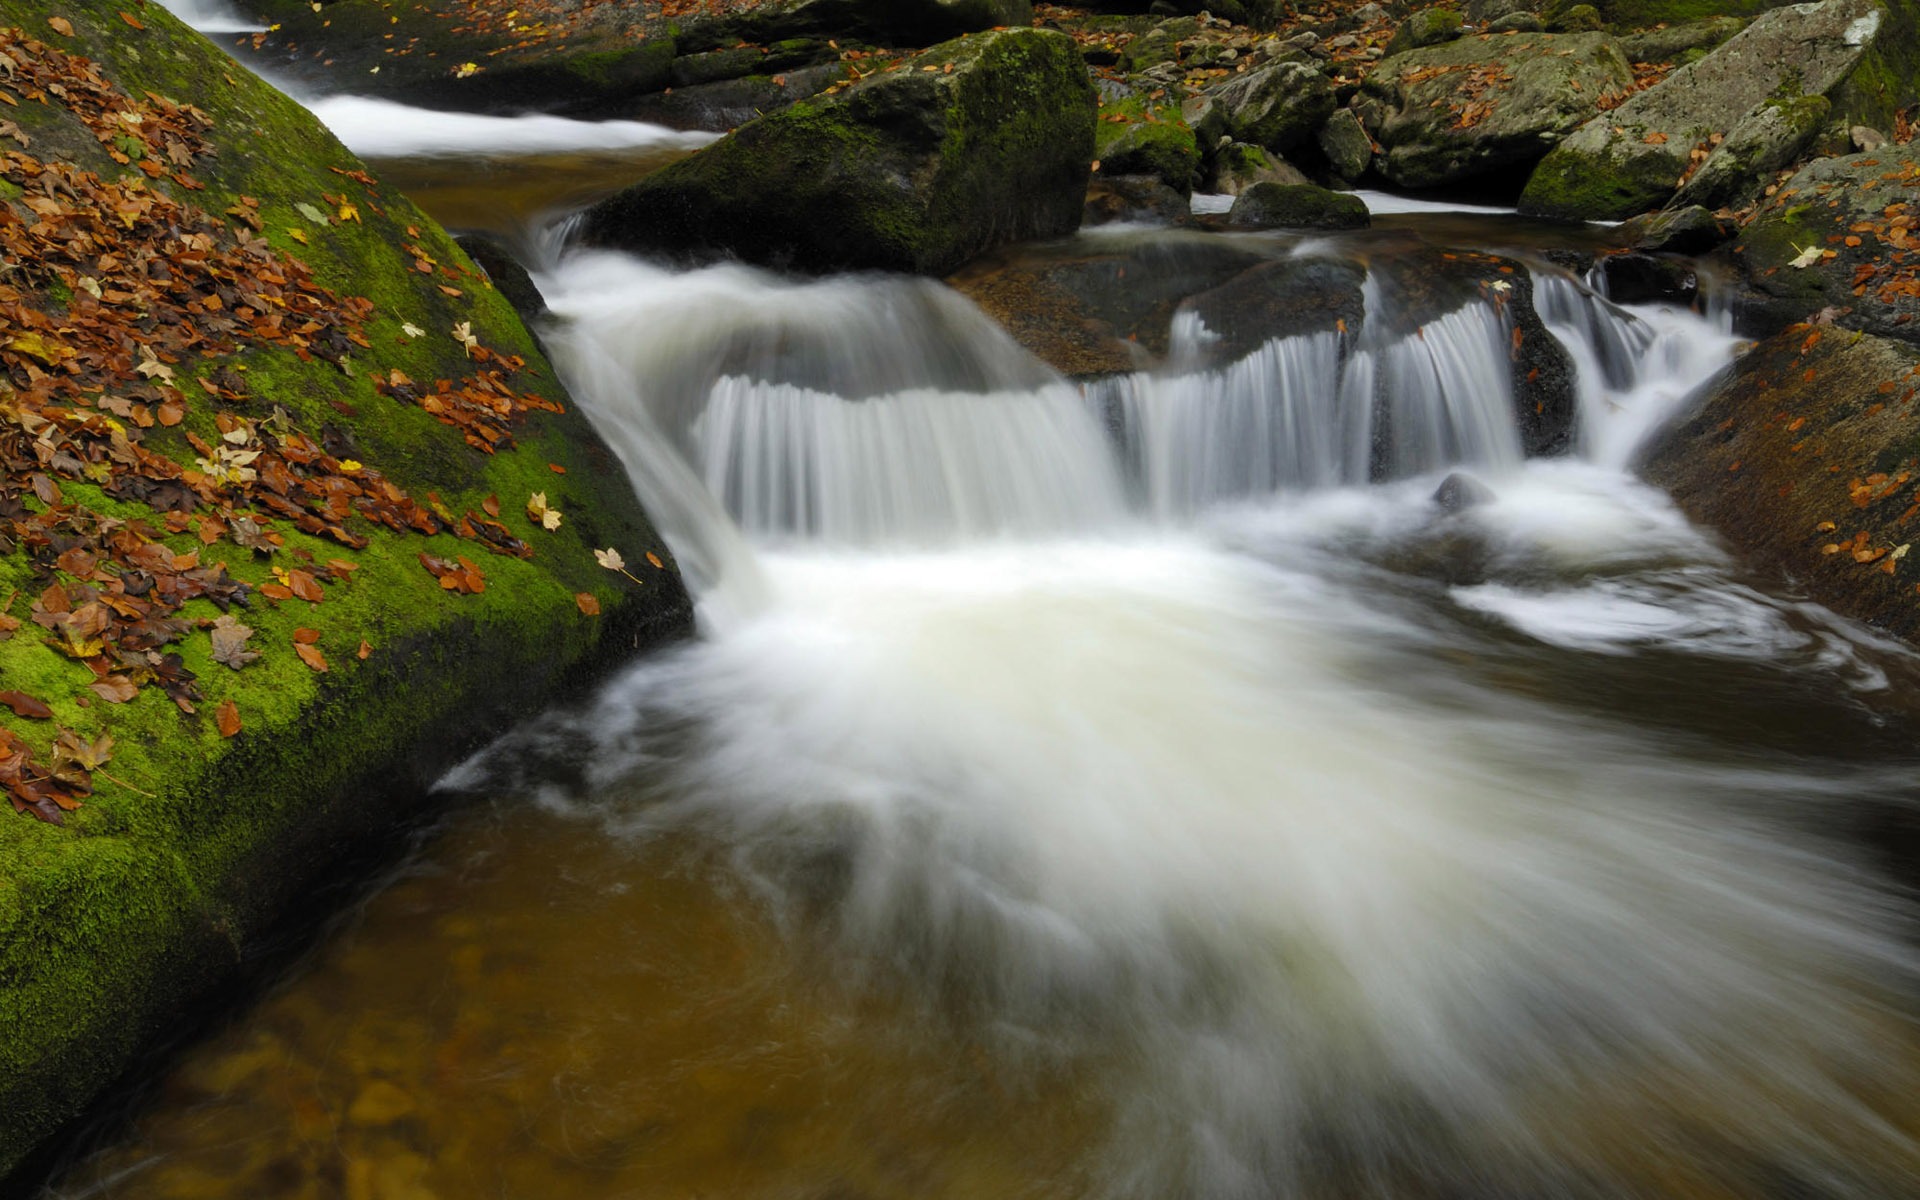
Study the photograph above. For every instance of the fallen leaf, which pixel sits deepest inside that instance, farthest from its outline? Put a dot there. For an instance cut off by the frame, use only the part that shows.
(115, 689)
(655, 560)
(311, 656)
(24, 705)
(227, 717)
(364, 650)
(306, 637)
(610, 559)
(588, 604)
(61, 26)
(230, 643)
(305, 586)
(130, 19)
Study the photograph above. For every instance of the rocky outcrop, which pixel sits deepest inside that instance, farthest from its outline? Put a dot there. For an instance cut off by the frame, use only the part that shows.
(279, 562)
(1135, 137)
(1805, 458)
(1277, 107)
(978, 142)
(1637, 156)
(1484, 104)
(1841, 234)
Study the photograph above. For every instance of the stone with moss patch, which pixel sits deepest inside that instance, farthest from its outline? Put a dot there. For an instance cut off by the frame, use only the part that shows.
(1270, 205)
(980, 141)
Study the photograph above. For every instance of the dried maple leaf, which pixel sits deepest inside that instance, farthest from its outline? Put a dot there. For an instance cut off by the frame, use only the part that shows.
(227, 717)
(230, 643)
(115, 689)
(588, 603)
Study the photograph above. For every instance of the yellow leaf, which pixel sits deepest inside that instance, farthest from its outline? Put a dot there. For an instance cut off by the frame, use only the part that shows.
(349, 213)
(298, 236)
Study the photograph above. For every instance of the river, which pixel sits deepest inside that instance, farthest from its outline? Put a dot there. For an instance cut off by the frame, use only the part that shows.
(1111, 791)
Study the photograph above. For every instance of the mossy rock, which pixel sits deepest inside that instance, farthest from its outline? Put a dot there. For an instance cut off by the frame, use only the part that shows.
(144, 902)
(1428, 27)
(1297, 206)
(1280, 107)
(1137, 138)
(980, 141)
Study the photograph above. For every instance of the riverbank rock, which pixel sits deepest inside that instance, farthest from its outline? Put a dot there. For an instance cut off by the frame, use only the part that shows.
(978, 142)
(1637, 156)
(1841, 234)
(1278, 107)
(596, 60)
(1485, 104)
(1804, 457)
(1270, 205)
(270, 552)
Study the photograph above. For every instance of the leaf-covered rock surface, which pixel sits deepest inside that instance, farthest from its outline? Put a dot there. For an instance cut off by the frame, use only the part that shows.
(267, 558)
(1806, 458)
(980, 141)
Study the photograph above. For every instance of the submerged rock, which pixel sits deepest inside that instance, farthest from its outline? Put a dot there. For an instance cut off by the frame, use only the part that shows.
(1638, 155)
(1476, 106)
(1112, 198)
(978, 142)
(1460, 491)
(309, 429)
(1804, 457)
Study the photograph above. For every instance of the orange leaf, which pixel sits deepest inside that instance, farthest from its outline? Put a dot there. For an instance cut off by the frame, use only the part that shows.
(588, 604)
(311, 656)
(61, 26)
(655, 560)
(24, 705)
(227, 717)
(305, 586)
(306, 637)
(363, 651)
(130, 19)
(115, 689)
(556, 468)
(274, 591)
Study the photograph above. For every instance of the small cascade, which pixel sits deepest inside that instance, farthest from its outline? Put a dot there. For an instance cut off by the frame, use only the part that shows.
(211, 16)
(1307, 412)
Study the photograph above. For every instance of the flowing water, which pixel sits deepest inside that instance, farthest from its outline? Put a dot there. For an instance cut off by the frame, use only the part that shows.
(1137, 790)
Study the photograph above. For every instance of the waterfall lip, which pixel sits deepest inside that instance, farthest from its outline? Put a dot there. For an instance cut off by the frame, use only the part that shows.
(377, 128)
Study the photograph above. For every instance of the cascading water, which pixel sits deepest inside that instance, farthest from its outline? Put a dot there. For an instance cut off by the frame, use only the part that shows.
(1131, 792)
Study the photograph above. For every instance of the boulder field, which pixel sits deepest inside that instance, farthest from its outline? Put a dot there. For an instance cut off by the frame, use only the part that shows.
(276, 470)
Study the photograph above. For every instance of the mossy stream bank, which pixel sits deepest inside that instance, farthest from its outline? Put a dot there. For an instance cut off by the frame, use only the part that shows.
(267, 389)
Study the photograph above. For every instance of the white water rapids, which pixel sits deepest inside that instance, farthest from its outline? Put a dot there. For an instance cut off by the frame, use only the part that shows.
(1339, 844)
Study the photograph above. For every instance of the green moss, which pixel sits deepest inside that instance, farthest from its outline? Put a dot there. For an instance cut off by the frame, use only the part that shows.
(1135, 137)
(1574, 185)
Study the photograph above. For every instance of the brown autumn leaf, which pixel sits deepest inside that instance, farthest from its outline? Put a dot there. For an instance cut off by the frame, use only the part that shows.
(274, 591)
(306, 637)
(230, 642)
(115, 689)
(61, 26)
(655, 560)
(227, 717)
(24, 705)
(364, 651)
(130, 19)
(588, 603)
(311, 656)
(492, 506)
(305, 586)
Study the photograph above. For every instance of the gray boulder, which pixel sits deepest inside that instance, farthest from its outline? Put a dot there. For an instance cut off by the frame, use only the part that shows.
(1239, 166)
(1279, 107)
(1428, 27)
(1470, 107)
(1637, 156)
(1345, 142)
(1760, 143)
(980, 141)
(1670, 42)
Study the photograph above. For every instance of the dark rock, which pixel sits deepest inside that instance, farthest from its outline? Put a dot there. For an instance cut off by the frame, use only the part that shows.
(1692, 230)
(1520, 22)
(1297, 206)
(1428, 27)
(1288, 298)
(1344, 142)
(1803, 456)
(915, 170)
(1239, 166)
(1278, 107)
(1460, 491)
(1649, 279)
(1149, 144)
(1113, 198)
(509, 278)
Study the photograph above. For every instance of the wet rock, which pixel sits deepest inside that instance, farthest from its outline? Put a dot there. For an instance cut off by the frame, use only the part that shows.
(512, 280)
(1649, 279)
(1460, 491)
(1344, 142)
(1113, 198)
(1278, 107)
(915, 170)
(1520, 22)
(1800, 253)
(1803, 456)
(1288, 298)
(1268, 205)
(1692, 230)
(1149, 143)
(1635, 157)
(1472, 107)
(1428, 27)
(1760, 143)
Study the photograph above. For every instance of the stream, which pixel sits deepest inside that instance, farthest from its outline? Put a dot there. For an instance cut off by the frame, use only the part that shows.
(1111, 791)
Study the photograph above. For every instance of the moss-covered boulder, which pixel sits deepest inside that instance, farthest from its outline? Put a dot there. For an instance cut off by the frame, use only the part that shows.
(1760, 143)
(1279, 107)
(268, 561)
(1346, 145)
(1841, 234)
(1269, 205)
(1805, 457)
(1428, 27)
(1140, 137)
(978, 142)
(1238, 166)
(1486, 104)
(1671, 43)
(1637, 156)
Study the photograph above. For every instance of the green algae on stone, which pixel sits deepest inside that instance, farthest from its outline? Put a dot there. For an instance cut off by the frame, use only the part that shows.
(154, 890)
(980, 141)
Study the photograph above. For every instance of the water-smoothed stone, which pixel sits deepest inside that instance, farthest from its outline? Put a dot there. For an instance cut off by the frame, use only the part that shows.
(1482, 105)
(1144, 140)
(1278, 107)
(1669, 43)
(1801, 253)
(1288, 298)
(1637, 156)
(1759, 144)
(1634, 278)
(1692, 230)
(1460, 491)
(1574, 18)
(1112, 198)
(980, 141)
(1238, 166)
(1520, 22)
(1803, 456)
(1269, 205)
(136, 914)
